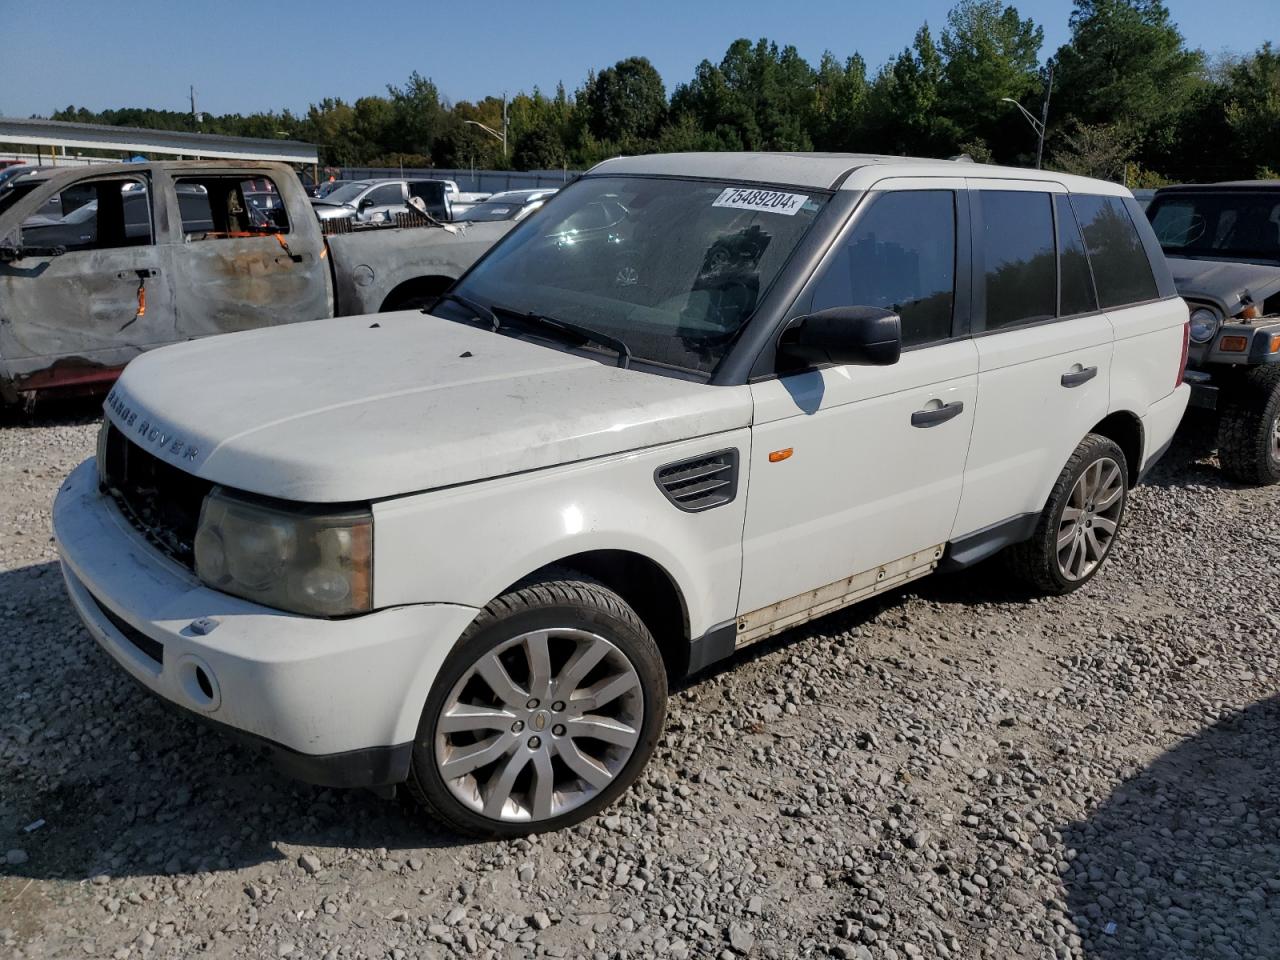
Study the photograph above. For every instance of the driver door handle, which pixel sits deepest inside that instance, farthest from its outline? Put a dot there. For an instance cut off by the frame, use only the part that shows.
(1074, 378)
(931, 417)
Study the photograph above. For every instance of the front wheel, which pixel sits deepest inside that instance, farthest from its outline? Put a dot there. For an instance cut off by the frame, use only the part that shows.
(1080, 522)
(545, 712)
(1249, 428)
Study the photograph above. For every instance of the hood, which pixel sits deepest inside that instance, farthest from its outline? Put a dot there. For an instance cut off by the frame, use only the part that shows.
(362, 408)
(326, 210)
(1223, 281)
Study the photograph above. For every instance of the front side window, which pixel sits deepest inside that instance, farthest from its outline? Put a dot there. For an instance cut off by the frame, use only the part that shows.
(673, 268)
(900, 256)
(1019, 258)
(1121, 270)
(97, 215)
(221, 208)
(387, 195)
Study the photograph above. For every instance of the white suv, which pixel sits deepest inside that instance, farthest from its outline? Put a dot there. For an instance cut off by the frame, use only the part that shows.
(694, 401)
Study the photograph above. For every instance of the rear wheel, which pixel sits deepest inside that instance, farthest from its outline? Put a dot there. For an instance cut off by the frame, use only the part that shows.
(543, 714)
(1080, 522)
(1249, 428)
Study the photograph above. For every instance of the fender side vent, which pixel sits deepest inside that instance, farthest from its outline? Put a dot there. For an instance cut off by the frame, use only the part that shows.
(700, 483)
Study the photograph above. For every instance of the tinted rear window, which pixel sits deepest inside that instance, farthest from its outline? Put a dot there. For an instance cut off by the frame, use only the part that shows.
(1020, 263)
(1077, 294)
(1121, 270)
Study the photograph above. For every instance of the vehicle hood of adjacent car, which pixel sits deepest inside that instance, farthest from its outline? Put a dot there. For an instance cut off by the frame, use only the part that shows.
(364, 408)
(1223, 281)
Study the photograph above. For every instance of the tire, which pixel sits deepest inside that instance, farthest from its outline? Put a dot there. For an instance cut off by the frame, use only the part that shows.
(519, 768)
(1048, 562)
(1249, 428)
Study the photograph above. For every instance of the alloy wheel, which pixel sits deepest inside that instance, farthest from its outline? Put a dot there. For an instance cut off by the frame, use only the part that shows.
(1090, 519)
(539, 725)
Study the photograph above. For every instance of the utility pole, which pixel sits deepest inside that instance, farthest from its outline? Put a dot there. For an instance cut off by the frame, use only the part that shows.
(1044, 116)
(196, 118)
(504, 126)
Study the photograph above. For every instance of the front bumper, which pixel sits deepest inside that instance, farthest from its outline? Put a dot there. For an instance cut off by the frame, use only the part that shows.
(334, 701)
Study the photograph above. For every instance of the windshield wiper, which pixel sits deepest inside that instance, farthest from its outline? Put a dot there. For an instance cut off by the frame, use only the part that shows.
(579, 333)
(478, 310)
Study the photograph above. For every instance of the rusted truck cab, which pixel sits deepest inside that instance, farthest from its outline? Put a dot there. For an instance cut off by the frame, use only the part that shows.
(98, 264)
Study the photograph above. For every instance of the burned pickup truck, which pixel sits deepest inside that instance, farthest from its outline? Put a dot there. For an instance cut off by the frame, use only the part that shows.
(1222, 241)
(98, 264)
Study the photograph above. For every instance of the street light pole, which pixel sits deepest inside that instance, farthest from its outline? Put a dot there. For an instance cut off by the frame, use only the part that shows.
(492, 132)
(1044, 115)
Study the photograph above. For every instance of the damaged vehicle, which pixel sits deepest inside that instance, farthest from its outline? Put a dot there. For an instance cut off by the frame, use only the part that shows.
(98, 264)
(465, 551)
(1222, 241)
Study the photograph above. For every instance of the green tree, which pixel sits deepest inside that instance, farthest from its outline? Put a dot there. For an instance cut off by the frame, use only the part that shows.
(539, 148)
(905, 104)
(417, 116)
(991, 52)
(841, 94)
(1253, 109)
(626, 102)
(1127, 64)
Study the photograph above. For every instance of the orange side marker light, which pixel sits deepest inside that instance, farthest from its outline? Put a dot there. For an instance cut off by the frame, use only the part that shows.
(1275, 343)
(1233, 344)
(777, 456)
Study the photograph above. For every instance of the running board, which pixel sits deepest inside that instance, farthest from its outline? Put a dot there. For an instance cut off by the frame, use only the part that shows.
(765, 622)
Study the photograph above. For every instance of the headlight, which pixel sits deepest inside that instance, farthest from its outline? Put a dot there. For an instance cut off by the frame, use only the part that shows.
(302, 559)
(1204, 325)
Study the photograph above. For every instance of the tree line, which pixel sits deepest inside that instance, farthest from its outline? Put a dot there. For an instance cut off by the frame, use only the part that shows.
(1129, 99)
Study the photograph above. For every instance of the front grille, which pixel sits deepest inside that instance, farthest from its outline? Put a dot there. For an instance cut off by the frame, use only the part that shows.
(160, 500)
(701, 483)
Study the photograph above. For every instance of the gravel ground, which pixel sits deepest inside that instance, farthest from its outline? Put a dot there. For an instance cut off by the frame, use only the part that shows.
(955, 770)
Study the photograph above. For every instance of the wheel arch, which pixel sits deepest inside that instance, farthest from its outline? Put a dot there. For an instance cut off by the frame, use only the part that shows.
(1124, 428)
(646, 586)
(414, 288)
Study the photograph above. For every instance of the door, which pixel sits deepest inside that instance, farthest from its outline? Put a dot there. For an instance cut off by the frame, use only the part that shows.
(381, 204)
(93, 288)
(856, 466)
(242, 265)
(1044, 350)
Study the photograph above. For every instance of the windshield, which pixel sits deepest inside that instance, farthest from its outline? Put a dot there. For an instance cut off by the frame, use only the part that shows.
(1236, 224)
(15, 192)
(674, 268)
(489, 210)
(346, 193)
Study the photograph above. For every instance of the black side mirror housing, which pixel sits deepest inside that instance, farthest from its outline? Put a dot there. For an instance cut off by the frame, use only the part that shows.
(861, 335)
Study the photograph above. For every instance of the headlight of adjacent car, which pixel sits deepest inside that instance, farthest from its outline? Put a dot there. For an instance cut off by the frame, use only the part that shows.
(302, 559)
(1204, 324)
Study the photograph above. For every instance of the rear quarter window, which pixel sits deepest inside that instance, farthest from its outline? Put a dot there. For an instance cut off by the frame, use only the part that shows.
(1121, 271)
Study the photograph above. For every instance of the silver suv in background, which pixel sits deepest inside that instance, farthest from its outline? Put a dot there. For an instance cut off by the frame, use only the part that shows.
(365, 201)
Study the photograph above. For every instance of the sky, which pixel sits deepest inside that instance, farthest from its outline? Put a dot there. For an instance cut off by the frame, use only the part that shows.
(245, 57)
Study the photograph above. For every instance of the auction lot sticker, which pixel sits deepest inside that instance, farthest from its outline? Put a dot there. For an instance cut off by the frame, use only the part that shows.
(766, 201)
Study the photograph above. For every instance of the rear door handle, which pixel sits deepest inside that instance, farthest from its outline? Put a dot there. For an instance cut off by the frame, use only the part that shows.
(1074, 378)
(143, 274)
(931, 417)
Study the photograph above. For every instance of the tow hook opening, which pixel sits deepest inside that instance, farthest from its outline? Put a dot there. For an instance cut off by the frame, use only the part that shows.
(199, 684)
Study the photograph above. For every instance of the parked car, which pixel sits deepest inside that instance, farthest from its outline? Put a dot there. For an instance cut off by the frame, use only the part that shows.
(94, 269)
(507, 205)
(365, 201)
(1223, 245)
(11, 173)
(467, 550)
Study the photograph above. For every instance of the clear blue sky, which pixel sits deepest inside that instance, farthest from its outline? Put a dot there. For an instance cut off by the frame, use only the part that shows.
(249, 56)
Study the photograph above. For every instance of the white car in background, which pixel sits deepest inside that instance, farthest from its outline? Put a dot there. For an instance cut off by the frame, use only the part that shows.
(512, 205)
(467, 549)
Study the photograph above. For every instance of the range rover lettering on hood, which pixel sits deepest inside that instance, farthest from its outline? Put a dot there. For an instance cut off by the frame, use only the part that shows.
(354, 411)
(146, 430)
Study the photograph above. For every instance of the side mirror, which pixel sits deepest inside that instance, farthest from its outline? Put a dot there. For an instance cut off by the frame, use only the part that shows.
(366, 203)
(840, 335)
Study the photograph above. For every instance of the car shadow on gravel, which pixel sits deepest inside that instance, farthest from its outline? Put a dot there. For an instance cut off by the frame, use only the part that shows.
(125, 786)
(1192, 459)
(1183, 860)
(57, 412)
